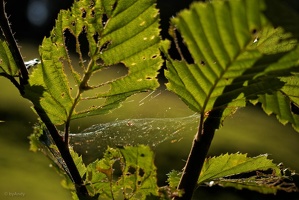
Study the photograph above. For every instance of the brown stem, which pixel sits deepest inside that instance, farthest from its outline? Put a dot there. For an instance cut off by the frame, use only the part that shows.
(197, 155)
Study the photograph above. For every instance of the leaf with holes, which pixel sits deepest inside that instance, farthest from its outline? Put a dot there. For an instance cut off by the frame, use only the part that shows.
(229, 165)
(139, 172)
(117, 49)
(262, 183)
(236, 55)
(100, 175)
(222, 170)
(137, 179)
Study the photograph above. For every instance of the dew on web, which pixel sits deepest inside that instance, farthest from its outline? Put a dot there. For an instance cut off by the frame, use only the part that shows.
(149, 131)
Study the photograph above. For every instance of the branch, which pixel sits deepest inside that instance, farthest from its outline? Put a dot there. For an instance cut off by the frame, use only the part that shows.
(63, 149)
(198, 154)
(7, 33)
(13, 80)
(65, 153)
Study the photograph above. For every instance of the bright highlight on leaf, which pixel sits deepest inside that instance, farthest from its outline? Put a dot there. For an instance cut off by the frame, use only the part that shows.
(116, 33)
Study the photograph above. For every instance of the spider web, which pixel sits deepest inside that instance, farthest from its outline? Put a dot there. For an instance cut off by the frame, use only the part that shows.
(92, 141)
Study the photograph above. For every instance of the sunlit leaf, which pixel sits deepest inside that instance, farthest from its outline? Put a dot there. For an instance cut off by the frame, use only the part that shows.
(284, 103)
(236, 54)
(100, 177)
(219, 170)
(7, 63)
(262, 183)
(78, 162)
(34, 138)
(136, 181)
(139, 172)
(49, 90)
(232, 164)
(116, 33)
(174, 178)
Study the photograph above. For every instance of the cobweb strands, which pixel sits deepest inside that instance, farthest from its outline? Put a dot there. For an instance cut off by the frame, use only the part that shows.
(92, 141)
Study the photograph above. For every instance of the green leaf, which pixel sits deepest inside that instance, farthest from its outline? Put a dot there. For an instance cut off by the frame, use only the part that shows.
(139, 172)
(49, 90)
(236, 53)
(229, 165)
(117, 33)
(219, 170)
(7, 63)
(283, 103)
(137, 179)
(262, 183)
(99, 177)
(174, 178)
(34, 138)
(79, 162)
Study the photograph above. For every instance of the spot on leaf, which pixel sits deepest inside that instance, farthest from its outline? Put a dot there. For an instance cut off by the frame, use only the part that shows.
(141, 172)
(83, 13)
(294, 108)
(154, 56)
(104, 19)
(105, 46)
(131, 170)
(114, 5)
(91, 5)
(254, 31)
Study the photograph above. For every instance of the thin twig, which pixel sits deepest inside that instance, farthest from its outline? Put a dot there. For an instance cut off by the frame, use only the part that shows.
(176, 42)
(59, 141)
(13, 80)
(8, 35)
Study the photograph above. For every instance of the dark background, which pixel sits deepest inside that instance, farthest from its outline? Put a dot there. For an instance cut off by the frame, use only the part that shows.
(34, 19)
